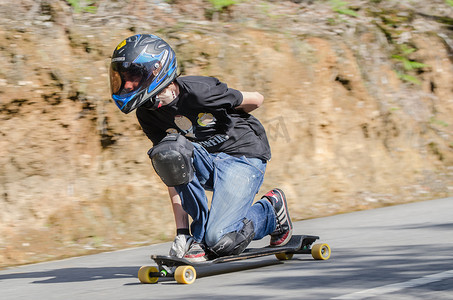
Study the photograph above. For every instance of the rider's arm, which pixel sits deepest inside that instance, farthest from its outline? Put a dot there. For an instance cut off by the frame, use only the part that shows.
(250, 101)
(181, 218)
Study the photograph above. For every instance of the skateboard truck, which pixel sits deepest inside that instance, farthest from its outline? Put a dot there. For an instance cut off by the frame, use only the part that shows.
(184, 271)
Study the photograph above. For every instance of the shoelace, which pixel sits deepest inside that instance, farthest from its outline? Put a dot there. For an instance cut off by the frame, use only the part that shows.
(279, 227)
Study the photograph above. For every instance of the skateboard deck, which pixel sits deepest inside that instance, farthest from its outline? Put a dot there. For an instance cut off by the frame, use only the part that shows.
(184, 270)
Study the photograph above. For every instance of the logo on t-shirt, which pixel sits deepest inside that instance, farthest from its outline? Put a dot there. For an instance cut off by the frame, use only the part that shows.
(206, 119)
(214, 141)
(185, 125)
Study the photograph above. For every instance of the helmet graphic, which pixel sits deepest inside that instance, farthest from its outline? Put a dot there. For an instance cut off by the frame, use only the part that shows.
(141, 67)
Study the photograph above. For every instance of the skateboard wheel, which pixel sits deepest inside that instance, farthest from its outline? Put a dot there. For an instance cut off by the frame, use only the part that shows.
(284, 256)
(320, 251)
(143, 274)
(185, 274)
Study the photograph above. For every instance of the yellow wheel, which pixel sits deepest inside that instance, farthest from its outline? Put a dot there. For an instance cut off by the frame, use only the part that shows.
(284, 256)
(143, 274)
(185, 274)
(320, 251)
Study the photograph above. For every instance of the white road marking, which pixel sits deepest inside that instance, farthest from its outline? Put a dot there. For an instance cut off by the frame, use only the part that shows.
(391, 288)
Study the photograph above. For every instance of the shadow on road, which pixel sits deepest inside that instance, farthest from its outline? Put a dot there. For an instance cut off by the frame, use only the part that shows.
(75, 274)
(367, 266)
(102, 273)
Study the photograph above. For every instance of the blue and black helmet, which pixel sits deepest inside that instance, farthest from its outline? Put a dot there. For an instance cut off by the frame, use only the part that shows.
(142, 66)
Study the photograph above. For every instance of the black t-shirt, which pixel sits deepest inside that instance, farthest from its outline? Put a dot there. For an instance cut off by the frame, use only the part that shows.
(204, 113)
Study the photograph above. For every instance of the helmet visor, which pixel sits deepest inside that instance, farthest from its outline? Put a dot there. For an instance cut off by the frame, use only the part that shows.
(126, 77)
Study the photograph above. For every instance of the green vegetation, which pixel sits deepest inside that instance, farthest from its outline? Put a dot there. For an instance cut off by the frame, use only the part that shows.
(435, 121)
(342, 7)
(393, 25)
(449, 2)
(220, 5)
(407, 77)
(408, 64)
(83, 6)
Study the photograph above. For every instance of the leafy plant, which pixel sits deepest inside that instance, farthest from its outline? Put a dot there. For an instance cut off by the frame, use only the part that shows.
(78, 6)
(408, 64)
(407, 77)
(449, 2)
(220, 5)
(341, 7)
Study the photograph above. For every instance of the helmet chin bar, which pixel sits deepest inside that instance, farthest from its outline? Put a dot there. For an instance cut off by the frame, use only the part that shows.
(152, 104)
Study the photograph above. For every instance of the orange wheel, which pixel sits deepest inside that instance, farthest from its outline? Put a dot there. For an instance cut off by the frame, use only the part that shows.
(284, 256)
(320, 251)
(143, 274)
(185, 274)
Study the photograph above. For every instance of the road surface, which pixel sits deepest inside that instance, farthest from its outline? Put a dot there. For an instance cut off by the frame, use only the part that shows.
(398, 252)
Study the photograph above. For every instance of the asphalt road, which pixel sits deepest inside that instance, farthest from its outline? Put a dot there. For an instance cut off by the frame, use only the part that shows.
(398, 252)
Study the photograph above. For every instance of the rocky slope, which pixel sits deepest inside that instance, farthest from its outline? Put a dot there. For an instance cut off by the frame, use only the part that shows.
(359, 110)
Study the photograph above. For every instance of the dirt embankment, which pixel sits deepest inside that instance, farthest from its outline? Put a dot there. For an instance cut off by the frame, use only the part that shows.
(358, 109)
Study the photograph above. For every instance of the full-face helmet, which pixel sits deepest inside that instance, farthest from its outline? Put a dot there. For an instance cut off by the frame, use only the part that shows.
(141, 67)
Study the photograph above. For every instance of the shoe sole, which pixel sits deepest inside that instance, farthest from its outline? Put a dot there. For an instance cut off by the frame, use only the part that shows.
(285, 241)
(196, 259)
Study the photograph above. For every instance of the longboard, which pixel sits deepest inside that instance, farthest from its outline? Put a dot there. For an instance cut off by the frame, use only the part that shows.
(184, 271)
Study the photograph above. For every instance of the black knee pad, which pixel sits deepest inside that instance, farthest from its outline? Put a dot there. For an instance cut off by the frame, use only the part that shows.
(234, 243)
(172, 160)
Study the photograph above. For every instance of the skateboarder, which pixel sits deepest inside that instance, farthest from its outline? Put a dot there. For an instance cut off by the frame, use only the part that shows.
(203, 139)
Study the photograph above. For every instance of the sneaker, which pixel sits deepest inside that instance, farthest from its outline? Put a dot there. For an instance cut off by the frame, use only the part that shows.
(195, 253)
(284, 230)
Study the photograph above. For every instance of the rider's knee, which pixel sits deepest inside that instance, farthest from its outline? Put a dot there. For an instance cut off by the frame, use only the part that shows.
(232, 243)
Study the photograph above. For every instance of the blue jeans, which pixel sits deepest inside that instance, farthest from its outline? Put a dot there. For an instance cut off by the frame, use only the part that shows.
(234, 182)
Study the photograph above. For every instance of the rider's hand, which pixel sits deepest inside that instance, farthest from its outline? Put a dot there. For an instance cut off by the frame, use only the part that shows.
(180, 245)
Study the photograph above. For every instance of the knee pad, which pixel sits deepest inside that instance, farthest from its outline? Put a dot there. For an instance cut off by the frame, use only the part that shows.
(234, 243)
(172, 160)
